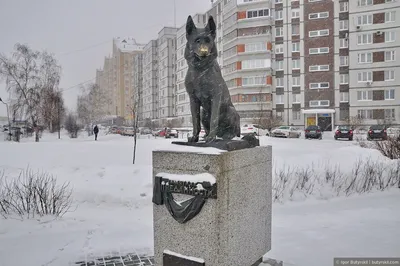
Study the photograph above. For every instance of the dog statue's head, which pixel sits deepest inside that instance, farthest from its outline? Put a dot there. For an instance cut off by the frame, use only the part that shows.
(201, 41)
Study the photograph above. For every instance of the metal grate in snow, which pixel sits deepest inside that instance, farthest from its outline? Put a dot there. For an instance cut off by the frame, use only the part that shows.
(118, 259)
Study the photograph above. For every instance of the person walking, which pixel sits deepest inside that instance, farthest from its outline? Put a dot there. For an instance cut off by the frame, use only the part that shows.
(95, 131)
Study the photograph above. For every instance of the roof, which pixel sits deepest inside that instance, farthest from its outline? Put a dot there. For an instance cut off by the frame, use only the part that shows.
(128, 44)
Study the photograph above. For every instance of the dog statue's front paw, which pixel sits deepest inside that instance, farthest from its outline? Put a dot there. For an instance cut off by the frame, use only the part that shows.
(193, 139)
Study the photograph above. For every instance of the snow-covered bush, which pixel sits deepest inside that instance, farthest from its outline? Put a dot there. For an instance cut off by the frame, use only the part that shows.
(367, 175)
(71, 125)
(33, 194)
(389, 148)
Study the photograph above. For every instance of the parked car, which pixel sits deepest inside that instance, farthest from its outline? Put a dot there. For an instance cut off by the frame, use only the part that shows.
(286, 132)
(254, 129)
(377, 132)
(145, 131)
(343, 132)
(202, 133)
(128, 131)
(171, 133)
(313, 132)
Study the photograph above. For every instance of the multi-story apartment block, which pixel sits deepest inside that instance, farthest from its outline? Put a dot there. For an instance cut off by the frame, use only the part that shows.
(247, 56)
(137, 100)
(116, 78)
(149, 108)
(166, 73)
(373, 59)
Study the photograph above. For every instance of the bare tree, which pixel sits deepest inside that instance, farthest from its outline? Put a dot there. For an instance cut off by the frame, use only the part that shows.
(29, 75)
(71, 125)
(265, 118)
(136, 117)
(354, 122)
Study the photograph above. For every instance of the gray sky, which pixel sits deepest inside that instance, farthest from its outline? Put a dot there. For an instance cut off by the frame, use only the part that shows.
(65, 26)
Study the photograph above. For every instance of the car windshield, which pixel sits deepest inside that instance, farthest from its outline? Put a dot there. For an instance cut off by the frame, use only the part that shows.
(377, 127)
(283, 127)
(344, 128)
(312, 128)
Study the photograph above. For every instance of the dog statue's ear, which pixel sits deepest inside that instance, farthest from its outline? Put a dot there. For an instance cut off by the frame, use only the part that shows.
(190, 26)
(211, 26)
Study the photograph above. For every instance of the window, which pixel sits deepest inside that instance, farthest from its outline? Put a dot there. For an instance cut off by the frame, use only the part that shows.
(389, 94)
(254, 80)
(390, 114)
(278, 1)
(365, 76)
(316, 68)
(279, 99)
(278, 31)
(344, 78)
(364, 95)
(344, 61)
(364, 114)
(279, 65)
(295, 81)
(343, 24)
(296, 98)
(296, 64)
(364, 38)
(322, 50)
(344, 43)
(319, 103)
(390, 16)
(364, 58)
(343, 6)
(255, 63)
(364, 20)
(296, 47)
(389, 75)
(318, 33)
(296, 115)
(279, 49)
(278, 14)
(344, 97)
(279, 82)
(295, 13)
(321, 85)
(295, 30)
(390, 36)
(365, 2)
(390, 56)
(255, 47)
(258, 13)
(318, 15)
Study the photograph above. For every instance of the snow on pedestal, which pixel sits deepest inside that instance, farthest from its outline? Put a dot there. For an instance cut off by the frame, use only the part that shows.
(232, 229)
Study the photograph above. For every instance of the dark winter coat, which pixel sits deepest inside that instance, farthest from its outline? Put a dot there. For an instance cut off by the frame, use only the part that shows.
(96, 130)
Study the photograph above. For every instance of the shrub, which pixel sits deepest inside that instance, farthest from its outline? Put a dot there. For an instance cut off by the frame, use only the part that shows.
(365, 176)
(71, 125)
(389, 148)
(33, 194)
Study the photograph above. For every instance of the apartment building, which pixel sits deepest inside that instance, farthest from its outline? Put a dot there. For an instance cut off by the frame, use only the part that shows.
(137, 78)
(374, 65)
(166, 44)
(247, 57)
(149, 108)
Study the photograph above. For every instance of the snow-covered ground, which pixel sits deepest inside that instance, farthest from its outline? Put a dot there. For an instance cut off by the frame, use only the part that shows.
(112, 208)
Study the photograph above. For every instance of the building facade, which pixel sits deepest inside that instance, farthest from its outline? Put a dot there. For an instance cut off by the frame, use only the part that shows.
(166, 50)
(247, 57)
(137, 101)
(374, 65)
(149, 109)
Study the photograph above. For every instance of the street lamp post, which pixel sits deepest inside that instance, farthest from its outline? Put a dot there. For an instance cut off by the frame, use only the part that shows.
(8, 117)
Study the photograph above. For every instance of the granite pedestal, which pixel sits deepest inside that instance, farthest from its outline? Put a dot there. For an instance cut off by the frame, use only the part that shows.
(233, 229)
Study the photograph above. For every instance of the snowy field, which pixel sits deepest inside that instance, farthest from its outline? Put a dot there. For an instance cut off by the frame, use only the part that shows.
(112, 209)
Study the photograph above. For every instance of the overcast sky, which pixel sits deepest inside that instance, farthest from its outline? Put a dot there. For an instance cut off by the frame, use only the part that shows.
(64, 27)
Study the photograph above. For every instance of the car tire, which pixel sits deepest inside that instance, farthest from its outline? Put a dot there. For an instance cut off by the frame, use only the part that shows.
(335, 138)
(350, 139)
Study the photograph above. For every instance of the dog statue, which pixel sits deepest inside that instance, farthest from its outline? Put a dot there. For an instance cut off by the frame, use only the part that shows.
(206, 87)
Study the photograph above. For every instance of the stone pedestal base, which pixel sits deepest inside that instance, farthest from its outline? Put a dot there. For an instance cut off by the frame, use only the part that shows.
(233, 228)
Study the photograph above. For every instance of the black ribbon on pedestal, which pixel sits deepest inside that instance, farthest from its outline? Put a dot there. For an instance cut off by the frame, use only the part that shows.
(182, 212)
